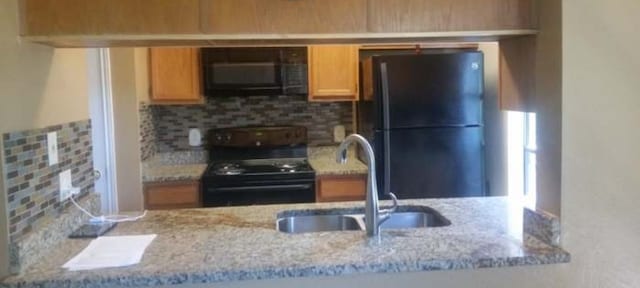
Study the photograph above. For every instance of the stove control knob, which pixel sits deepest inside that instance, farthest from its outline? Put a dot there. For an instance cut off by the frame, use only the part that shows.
(228, 137)
(218, 137)
(258, 143)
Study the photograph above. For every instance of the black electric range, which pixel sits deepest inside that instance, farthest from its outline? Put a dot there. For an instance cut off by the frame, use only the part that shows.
(258, 166)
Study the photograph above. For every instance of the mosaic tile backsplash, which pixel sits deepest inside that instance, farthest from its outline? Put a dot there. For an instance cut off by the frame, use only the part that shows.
(148, 146)
(172, 122)
(32, 185)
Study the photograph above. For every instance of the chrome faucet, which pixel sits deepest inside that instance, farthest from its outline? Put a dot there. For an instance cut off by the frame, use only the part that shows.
(373, 215)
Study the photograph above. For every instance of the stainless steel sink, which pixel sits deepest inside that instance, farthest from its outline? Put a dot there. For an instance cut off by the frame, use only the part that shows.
(317, 223)
(407, 217)
(406, 220)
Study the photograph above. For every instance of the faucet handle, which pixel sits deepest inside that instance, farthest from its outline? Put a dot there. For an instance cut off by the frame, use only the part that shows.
(386, 213)
(395, 204)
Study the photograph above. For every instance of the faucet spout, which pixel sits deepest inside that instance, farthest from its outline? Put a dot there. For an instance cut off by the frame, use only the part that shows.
(373, 215)
(341, 156)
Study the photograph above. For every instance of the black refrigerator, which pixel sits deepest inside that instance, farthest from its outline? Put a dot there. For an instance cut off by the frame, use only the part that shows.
(423, 116)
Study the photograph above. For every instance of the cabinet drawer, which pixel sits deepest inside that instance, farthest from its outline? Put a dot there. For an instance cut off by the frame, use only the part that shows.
(341, 188)
(284, 16)
(172, 195)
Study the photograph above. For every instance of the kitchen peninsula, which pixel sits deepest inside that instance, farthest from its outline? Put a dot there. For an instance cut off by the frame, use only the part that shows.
(196, 246)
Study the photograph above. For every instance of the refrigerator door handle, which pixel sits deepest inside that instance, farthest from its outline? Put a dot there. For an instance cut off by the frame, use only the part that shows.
(384, 75)
(387, 163)
(387, 141)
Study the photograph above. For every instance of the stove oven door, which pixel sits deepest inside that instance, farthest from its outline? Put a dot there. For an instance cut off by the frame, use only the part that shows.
(259, 194)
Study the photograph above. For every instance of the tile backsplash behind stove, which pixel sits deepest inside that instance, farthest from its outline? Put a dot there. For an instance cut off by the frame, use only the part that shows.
(165, 128)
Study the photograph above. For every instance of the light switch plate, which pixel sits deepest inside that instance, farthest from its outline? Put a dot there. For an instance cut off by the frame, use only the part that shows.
(52, 148)
(65, 185)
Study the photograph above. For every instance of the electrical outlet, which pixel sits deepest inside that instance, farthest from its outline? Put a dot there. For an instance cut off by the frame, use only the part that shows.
(65, 185)
(338, 133)
(52, 148)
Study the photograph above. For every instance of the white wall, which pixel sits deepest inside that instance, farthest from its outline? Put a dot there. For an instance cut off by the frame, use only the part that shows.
(127, 129)
(601, 149)
(549, 107)
(39, 87)
(494, 123)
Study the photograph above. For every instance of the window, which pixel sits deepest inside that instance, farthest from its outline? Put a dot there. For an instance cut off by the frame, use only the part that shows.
(522, 156)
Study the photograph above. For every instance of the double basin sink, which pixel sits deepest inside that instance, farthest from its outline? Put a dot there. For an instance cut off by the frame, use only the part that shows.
(307, 221)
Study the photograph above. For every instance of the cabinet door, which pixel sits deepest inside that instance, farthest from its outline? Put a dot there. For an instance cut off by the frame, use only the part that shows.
(175, 75)
(367, 80)
(333, 73)
(172, 195)
(284, 16)
(341, 188)
(450, 15)
(103, 17)
(517, 74)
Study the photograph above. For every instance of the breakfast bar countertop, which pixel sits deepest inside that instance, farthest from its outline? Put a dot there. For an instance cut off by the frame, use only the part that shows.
(241, 243)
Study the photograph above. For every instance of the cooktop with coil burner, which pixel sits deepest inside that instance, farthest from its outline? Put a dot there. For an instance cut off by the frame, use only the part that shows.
(294, 167)
(258, 165)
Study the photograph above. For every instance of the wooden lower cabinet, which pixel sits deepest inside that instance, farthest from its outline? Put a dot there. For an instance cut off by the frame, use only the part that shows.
(336, 188)
(172, 195)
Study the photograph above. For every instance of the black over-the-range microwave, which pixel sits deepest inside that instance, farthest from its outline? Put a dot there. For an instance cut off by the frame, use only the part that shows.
(254, 71)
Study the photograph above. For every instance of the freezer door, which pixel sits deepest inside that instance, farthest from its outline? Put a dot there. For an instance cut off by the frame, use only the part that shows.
(431, 163)
(436, 90)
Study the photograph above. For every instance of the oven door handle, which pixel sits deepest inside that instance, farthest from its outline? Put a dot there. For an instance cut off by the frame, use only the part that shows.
(267, 187)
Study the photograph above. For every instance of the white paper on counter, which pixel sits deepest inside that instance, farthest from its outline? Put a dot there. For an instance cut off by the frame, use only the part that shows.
(111, 251)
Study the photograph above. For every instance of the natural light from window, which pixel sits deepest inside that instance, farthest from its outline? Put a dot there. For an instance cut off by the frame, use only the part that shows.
(521, 158)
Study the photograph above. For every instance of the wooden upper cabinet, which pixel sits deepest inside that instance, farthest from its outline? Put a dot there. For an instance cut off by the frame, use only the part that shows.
(283, 16)
(518, 74)
(450, 15)
(333, 73)
(367, 80)
(100, 17)
(175, 75)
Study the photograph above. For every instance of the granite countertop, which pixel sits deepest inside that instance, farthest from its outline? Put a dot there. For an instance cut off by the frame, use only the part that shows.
(323, 161)
(176, 172)
(240, 243)
(177, 166)
(189, 166)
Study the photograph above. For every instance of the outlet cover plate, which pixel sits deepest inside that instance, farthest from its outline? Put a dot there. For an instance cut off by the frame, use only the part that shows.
(65, 185)
(52, 148)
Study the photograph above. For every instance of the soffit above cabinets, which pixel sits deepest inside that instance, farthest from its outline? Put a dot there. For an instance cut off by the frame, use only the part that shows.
(111, 23)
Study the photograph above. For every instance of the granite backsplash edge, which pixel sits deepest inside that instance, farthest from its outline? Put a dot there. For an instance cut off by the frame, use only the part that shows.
(542, 225)
(29, 248)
